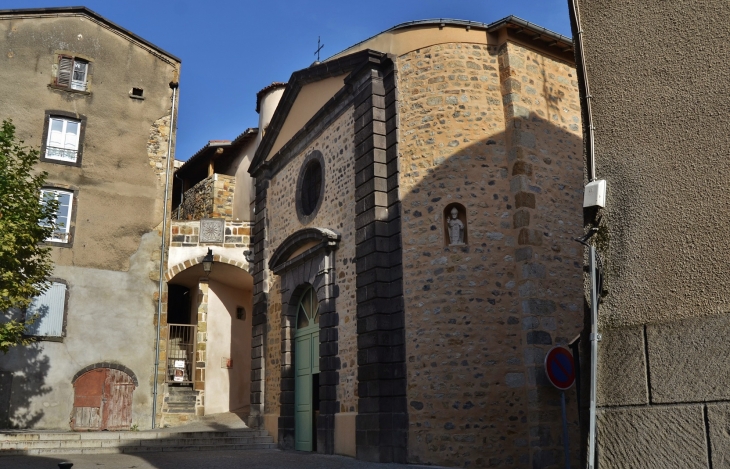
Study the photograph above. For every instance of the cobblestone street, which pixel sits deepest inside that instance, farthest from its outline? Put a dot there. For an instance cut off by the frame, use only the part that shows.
(265, 459)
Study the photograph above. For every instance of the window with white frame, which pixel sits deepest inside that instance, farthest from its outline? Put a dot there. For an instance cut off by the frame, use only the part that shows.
(72, 73)
(63, 139)
(47, 310)
(63, 216)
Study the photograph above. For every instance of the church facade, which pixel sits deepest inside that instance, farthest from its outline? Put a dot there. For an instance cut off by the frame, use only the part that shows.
(417, 196)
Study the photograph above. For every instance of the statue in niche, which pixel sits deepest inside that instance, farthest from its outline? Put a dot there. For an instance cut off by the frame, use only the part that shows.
(456, 228)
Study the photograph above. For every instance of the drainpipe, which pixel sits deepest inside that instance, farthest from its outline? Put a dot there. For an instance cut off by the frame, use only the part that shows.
(585, 91)
(594, 336)
(174, 85)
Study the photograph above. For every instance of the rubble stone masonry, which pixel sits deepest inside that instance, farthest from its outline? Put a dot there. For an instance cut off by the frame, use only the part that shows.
(497, 130)
(335, 213)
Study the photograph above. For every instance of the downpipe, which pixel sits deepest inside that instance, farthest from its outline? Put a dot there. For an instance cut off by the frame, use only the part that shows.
(174, 85)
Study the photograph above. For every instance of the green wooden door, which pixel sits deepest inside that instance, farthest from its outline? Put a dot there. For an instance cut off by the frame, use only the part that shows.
(306, 364)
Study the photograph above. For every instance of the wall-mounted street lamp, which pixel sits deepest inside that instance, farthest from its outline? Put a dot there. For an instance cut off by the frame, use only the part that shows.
(208, 262)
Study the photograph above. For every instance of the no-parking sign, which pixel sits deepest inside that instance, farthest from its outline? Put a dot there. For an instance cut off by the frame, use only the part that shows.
(560, 368)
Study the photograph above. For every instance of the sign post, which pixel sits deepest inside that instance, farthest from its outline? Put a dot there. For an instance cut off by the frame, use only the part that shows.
(560, 370)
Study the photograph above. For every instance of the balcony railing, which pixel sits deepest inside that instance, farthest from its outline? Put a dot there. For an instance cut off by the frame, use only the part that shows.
(63, 154)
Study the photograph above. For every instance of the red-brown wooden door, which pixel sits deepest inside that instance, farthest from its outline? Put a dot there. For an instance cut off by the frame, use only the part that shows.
(103, 400)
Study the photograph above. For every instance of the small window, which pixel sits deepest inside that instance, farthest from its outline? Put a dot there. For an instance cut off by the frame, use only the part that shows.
(137, 92)
(48, 310)
(73, 73)
(63, 139)
(63, 216)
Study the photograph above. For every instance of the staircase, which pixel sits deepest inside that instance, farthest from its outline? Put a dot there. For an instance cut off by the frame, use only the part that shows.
(180, 400)
(46, 443)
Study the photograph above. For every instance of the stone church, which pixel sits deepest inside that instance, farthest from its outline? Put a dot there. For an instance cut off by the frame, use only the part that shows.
(417, 196)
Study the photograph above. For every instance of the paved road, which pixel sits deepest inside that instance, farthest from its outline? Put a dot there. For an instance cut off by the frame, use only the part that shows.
(260, 459)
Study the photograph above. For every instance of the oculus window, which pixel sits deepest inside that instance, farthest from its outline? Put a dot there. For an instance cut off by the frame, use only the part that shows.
(63, 216)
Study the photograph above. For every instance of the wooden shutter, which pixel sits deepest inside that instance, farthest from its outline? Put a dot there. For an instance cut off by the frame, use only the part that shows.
(65, 70)
(49, 306)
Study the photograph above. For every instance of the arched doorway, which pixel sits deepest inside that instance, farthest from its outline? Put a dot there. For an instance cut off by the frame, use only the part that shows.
(103, 400)
(306, 380)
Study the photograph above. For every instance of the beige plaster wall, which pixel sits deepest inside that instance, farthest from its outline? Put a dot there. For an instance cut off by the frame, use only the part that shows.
(244, 194)
(228, 389)
(336, 213)
(120, 185)
(660, 110)
(310, 99)
(496, 129)
(112, 267)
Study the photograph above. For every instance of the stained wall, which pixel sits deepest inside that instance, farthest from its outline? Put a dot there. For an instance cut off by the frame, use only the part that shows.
(113, 264)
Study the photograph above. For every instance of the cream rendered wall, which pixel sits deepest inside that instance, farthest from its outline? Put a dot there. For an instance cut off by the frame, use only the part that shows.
(227, 389)
(243, 196)
(310, 99)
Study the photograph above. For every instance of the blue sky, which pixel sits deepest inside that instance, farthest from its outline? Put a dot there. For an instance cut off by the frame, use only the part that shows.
(231, 49)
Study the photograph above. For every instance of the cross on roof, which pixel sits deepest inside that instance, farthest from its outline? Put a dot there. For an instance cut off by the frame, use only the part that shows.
(319, 48)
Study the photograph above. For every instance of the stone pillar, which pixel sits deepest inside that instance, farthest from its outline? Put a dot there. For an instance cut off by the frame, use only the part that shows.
(536, 294)
(260, 306)
(201, 345)
(382, 422)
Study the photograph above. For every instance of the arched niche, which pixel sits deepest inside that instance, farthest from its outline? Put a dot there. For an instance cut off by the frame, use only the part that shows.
(452, 228)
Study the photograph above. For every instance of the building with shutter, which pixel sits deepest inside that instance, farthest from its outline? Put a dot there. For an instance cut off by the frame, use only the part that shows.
(97, 101)
(417, 200)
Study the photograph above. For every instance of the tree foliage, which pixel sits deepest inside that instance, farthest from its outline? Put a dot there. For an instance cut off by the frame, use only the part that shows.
(25, 222)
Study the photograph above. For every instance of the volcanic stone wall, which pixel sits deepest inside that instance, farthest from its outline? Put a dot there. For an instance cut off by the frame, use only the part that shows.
(495, 129)
(335, 213)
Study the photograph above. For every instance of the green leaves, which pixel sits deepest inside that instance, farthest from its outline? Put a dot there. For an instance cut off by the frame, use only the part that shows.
(25, 262)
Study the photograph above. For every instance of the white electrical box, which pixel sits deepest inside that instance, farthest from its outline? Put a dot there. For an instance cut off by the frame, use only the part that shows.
(595, 194)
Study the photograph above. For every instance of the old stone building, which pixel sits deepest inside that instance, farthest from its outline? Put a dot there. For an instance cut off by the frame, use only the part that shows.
(417, 196)
(661, 144)
(206, 330)
(98, 101)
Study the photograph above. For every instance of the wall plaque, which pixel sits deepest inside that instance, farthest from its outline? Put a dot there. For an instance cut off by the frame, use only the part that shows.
(212, 230)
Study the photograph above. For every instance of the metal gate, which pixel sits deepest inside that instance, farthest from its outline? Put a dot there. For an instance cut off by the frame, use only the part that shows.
(181, 353)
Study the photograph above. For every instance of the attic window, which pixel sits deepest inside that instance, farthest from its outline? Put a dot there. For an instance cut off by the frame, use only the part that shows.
(137, 93)
(72, 73)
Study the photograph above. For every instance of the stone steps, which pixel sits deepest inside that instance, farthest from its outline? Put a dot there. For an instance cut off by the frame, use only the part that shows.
(131, 442)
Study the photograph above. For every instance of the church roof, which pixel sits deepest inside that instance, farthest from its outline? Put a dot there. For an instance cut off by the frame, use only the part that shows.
(83, 11)
(515, 23)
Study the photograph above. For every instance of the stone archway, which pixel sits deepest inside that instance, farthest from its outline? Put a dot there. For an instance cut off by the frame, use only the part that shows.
(215, 365)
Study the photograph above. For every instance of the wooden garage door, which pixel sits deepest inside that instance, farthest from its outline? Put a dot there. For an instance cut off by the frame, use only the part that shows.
(103, 400)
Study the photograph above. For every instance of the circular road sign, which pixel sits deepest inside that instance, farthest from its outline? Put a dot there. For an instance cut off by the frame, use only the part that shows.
(560, 368)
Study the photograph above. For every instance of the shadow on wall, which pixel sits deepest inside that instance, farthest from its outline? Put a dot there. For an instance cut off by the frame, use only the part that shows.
(482, 311)
(23, 372)
(20, 386)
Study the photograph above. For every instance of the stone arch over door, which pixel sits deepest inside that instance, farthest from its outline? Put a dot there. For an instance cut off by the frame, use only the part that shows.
(306, 258)
(103, 397)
